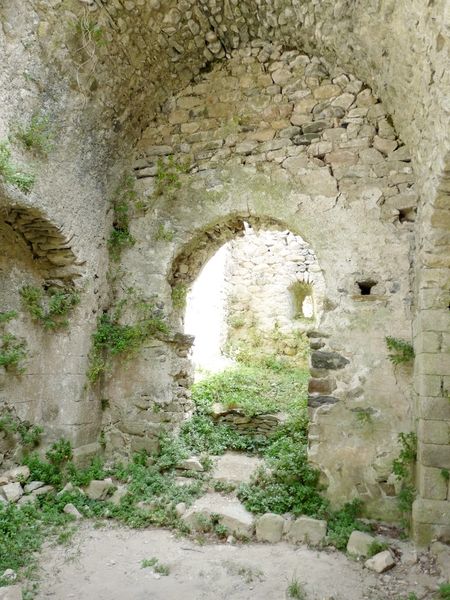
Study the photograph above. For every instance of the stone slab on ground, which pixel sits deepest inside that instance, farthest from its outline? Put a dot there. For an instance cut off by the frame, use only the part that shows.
(269, 528)
(359, 543)
(381, 562)
(231, 512)
(234, 467)
(307, 530)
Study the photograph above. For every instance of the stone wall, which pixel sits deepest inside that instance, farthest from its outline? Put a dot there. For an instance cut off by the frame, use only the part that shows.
(270, 136)
(274, 290)
(274, 139)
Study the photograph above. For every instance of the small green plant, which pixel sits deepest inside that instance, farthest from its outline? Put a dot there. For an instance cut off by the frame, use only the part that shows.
(12, 352)
(401, 352)
(123, 198)
(376, 547)
(89, 31)
(164, 234)
(179, 295)
(50, 307)
(445, 474)
(12, 174)
(7, 316)
(30, 435)
(113, 338)
(364, 416)
(295, 589)
(402, 467)
(37, 135)
(408, 453)
(444, 591)
(168, 175)
(155, 565)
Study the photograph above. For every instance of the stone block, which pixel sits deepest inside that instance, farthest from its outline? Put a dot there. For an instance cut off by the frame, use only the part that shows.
(434, 455)
(381, 562)
(11, 492)
(328, 360)
(434, 408)
(434, 431)
(433, 512)
(17, 474)
(307, 530)
(442, 553)
(99, 489)
(359, 543)
(269, 528)
(321, 386)
(191, 464)
(319, 183)
(432, 484)
(70, 509)
(83, 455)
(229, 510)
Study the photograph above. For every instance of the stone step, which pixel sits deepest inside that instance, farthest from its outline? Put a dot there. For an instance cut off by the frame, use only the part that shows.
(229, 511)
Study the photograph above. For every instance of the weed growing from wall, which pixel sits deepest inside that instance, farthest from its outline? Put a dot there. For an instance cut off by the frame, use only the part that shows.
(164, 234)
(402, 467)
(29, 435)
(113, 337)
(401, 352)
(90, 37)
(122, 201)
(12, 349)
(179, 295)
(13, 174)
(50, 307)
(168, 175)
(37, 135)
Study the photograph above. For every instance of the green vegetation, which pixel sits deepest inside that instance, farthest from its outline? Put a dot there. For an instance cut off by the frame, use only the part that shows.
(295, 590)
(402, 467)
(29, 435)
(179, 295)
(401, 352)
(12, 349)
(445, 474)
(122, 202)
(156, 566)
(50, 307)
(113, 338)
(164, 234)
(376, 547)
(90, 32)
(444, 591)
(37, 135)
(11, 173)
(257, 389)
(168, 175)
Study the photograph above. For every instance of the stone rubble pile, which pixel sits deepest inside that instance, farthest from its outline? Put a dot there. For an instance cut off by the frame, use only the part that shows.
(264, 424)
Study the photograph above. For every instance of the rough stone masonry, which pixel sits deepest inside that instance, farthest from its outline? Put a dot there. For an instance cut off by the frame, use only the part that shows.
(327, 119)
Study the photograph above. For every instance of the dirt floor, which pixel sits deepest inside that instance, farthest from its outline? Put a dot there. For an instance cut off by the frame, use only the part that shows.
(106, 564)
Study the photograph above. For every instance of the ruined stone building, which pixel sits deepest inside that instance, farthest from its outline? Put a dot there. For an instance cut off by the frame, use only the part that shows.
(327, 119)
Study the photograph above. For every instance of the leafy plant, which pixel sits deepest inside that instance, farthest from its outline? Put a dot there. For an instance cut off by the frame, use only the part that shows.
(400, 351)
(445, 474)
(444, 591)
(402, 469)
(50, 307)
(179, 295)
(12, 174)
(113, 338)
(164, 234)
(156, 565)
(168, 175)
(30, 435)
(12, 352)
(342, 522)
(376, 547)
(37, 134)
(408, 453)
(120, 236)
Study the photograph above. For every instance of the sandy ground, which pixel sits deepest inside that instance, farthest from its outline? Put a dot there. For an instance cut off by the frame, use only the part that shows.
(105, 564)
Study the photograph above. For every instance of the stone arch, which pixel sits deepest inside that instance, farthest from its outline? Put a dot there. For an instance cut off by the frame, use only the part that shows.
(49, 249)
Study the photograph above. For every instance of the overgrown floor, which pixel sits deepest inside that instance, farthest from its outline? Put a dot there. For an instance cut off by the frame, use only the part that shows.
(106, 564)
